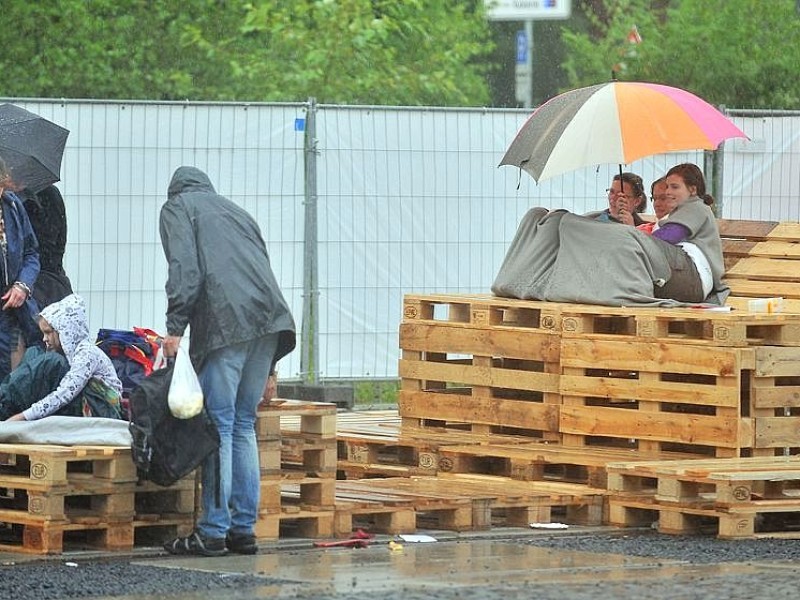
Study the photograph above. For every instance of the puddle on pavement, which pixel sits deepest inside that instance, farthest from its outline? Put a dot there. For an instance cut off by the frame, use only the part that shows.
(433, 565)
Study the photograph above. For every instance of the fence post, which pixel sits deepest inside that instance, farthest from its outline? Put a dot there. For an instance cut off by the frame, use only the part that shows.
(309, 334)
(714, 169)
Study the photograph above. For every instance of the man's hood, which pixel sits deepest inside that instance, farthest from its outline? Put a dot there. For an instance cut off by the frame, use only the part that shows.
(68, 318)
(189, 179)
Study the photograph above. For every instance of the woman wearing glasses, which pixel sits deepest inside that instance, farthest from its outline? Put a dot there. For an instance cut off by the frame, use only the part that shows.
(626, 199)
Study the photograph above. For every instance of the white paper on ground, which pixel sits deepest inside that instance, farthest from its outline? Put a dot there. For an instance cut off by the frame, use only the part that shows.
(417, 538)
(549, 526)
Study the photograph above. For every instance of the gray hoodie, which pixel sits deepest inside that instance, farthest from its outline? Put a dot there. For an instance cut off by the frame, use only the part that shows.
(86, 360)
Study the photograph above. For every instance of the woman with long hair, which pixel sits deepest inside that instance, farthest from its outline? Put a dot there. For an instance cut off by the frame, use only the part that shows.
(690, 239)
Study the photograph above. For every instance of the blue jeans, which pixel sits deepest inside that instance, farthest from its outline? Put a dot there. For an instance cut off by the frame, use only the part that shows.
(233, 380)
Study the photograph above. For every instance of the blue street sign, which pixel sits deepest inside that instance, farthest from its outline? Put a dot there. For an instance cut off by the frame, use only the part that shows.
(522, 47)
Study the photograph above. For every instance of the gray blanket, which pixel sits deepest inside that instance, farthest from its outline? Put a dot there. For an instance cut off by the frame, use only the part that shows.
(67, 431)
(562, 257)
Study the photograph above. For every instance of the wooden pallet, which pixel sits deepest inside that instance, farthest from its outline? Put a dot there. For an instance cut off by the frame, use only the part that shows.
(55, 537)
(696, 326)
(297, 489)
(773, 401)
(22, 499)
(370, 449)
(392, 506)
(461, 503)
(480, 310)
(684, 496)
(482, 378)
(541, 462)
(297, 454)
(316, 418)
(110, 501)
(295, 522)
(51, 465)
(54, 498)
(154, 502)
(703, 327)
(760, 261)
(106, 516)
(655, 397)
(309, 454)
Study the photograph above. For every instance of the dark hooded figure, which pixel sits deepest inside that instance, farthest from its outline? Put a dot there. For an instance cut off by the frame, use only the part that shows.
(221, 285)
(48, 217)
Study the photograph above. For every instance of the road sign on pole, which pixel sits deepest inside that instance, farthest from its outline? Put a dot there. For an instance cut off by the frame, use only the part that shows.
(527, 11)
(523, 10)
(522, 47)
(523, 71)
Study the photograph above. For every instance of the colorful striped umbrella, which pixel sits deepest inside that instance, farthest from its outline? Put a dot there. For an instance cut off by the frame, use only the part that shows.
(615, 122)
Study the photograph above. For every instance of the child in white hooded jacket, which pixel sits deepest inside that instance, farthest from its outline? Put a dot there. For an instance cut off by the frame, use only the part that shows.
(73, 377)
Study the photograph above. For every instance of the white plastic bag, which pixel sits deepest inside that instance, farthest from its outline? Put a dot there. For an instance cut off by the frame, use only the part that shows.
(185, 396)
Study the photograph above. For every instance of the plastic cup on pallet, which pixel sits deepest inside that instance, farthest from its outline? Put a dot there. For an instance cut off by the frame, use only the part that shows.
(765, 305)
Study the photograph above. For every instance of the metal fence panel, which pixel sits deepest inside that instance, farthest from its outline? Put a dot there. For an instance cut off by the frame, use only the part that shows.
(117, 164)
(762, 175)
(409, 200)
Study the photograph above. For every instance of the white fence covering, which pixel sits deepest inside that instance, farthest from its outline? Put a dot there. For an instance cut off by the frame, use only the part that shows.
(409, 200)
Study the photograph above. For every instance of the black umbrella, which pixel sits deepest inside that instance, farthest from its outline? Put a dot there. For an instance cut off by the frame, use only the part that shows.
(31, 146)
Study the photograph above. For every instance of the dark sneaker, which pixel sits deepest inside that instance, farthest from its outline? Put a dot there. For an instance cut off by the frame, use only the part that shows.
(242, 543)
(195, 544)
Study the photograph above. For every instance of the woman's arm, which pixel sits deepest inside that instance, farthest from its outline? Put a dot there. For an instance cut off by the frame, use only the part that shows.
(84, 365)
(673, 233)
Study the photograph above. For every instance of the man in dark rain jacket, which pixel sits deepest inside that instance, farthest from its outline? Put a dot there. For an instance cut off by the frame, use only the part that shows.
(220, 283)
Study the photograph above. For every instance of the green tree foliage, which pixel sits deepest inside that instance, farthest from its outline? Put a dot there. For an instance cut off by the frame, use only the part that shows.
(102, 49)
(370, 51)
(741, 53)
(350, 51)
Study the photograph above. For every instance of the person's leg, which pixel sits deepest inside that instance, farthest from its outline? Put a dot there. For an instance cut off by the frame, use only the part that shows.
(37, 375)
(246, 481)
(17, 352)
(684, 285)
(220, 379)
(8, 340)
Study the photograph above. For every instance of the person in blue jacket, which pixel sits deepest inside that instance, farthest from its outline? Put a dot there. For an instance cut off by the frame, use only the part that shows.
(19, 268)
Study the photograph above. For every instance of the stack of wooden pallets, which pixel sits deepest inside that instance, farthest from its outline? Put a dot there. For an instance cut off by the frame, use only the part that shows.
(397, 481)
(654, 379)
(728, 495)
(588, 385)
(297, 442)
(59, 497)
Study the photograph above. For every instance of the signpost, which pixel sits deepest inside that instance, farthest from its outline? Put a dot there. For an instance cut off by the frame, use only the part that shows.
(527, 11)
(523, 73)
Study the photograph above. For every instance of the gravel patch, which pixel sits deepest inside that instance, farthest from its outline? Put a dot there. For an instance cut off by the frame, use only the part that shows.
(692, 549)
(51, 580)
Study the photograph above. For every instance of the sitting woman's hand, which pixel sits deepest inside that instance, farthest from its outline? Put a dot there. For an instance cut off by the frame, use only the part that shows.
(17, 417)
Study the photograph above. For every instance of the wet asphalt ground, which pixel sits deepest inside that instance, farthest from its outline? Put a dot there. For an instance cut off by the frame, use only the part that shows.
(581, 563)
